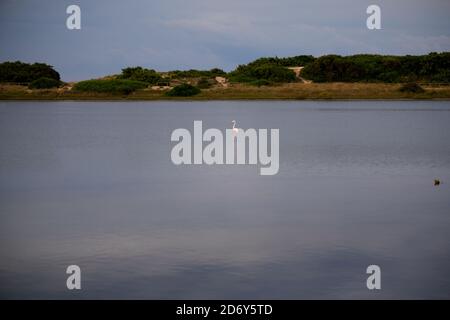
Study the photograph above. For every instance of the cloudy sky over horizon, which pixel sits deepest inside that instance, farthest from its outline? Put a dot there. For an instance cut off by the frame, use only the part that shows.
(202, 34)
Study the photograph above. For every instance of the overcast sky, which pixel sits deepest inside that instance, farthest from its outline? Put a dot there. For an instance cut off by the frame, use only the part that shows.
(184, 34)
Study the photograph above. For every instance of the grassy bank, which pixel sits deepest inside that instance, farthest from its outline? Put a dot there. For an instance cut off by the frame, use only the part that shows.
(292, 91)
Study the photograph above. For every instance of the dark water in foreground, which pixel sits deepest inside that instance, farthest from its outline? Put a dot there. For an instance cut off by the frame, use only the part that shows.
(92, 184)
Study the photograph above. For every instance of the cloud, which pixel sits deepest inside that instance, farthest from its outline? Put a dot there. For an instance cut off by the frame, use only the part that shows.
(177, 34)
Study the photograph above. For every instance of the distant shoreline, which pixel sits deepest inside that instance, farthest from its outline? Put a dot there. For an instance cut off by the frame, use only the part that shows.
(303, 77)
(290, 91)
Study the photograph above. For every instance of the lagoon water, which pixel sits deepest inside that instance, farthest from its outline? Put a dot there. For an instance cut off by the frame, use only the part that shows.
(92, 184)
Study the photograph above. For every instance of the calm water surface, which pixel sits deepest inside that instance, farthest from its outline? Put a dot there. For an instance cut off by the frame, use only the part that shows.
(92, 184)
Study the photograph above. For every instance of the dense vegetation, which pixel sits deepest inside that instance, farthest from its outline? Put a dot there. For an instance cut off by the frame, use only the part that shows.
(152, 77)
(148, 76)
(434, 67)
(431, 68)
(44, 83)
(183, 90)
(268, 72)
(264, 71)
(216, 72)
(284, 62)
(24, 73)
(116, 86)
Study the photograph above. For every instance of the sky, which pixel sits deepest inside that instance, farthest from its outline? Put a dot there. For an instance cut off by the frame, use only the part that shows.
(203, 34)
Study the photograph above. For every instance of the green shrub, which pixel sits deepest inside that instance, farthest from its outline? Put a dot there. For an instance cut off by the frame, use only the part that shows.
(272, 69)
(433, 67)
(216, 72)
(273, 73)
(296, 61)
(177, 74)
(334, 68)
(411, 87)
(268, 72)
(140, 74)
(116, 86)
(19, 72)
(44, 83)
(441, 77)
(183, 90)
(241, 77)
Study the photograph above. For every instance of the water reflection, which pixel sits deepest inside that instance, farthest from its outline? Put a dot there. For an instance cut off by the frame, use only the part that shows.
(92, 184)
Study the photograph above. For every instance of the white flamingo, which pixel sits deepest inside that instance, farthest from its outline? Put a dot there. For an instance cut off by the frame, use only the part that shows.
(235, 130)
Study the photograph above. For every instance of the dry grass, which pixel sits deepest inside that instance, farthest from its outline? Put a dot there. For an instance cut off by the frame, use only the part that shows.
(324, 91)
(295, 91)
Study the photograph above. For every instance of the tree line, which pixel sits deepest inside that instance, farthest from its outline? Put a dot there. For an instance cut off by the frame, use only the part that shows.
(433, 67)
(25, 73)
